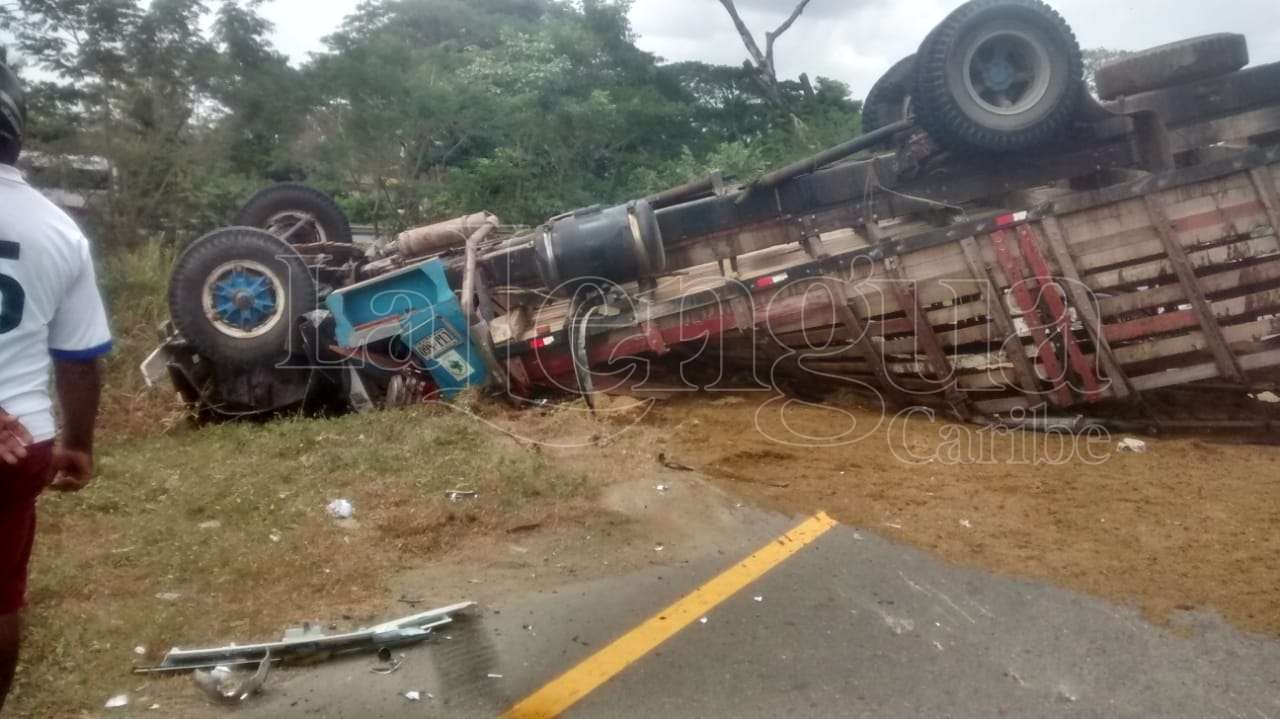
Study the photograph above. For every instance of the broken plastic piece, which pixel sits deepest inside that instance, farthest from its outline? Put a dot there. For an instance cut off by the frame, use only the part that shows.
(221, 685)
(340, 509)
(1129, 444)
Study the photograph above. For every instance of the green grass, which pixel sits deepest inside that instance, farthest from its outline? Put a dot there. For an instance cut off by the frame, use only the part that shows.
(103, 555)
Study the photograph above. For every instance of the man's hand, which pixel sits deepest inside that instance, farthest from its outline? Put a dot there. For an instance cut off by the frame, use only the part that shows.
(72, 469)
(14, 439)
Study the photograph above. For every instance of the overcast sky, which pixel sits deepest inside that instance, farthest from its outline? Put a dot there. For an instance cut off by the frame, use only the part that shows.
(856, 40)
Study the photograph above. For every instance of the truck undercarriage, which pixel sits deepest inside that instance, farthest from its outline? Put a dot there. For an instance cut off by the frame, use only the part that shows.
(999, 242)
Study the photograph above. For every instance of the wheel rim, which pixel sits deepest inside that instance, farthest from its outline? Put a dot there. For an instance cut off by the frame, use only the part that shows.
(243, 299)
(296, 228)
(1006, 72)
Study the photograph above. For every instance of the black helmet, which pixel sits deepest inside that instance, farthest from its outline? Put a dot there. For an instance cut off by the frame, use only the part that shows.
(13, 106)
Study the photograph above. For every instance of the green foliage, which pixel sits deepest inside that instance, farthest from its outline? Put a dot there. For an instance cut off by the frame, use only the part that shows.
(418, 110)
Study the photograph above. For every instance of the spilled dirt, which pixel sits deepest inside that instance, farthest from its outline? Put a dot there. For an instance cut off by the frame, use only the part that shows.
(1189, 524)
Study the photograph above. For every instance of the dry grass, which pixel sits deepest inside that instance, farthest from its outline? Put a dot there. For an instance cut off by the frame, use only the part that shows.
(103, 556)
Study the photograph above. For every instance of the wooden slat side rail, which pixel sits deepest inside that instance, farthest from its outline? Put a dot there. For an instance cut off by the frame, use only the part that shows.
(901, 288)
(862, 339)
(1054, 299)
(1082, 299)
(1222, 355)
(1010, 342)
(1059, 395)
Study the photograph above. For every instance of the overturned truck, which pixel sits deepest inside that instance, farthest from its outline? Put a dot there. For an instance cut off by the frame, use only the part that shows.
(997, 241)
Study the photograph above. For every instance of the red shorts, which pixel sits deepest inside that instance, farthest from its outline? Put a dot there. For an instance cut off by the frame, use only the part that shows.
(19, 486)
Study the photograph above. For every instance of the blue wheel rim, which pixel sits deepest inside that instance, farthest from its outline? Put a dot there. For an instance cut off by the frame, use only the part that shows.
(244, 298)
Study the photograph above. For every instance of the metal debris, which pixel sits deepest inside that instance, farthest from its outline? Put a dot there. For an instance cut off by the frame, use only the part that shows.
(309, 642)
(340, 509)
(222, 686)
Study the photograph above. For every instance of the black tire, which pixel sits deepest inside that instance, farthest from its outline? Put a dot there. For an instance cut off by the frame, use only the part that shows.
(233, 253)
(1040, 77)
(890, 98)
(1190, 60)
(277, 209)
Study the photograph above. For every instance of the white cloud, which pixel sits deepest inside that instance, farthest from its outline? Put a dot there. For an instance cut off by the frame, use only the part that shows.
(854, 40)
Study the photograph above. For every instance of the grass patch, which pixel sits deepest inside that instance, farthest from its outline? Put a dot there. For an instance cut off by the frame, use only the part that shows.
(103, 556)
(135, 284)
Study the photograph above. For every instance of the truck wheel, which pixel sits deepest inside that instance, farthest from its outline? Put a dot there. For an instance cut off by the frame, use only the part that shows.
(1197, 58)
(998, 75)
(234, 295)
(890, 98)
(301, 215)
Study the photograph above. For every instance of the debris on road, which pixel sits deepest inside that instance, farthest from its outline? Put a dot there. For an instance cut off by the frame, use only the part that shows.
(662, 488)
(117, 701)
(340, 509)
(1129, 444)
(758, 598)
(413, 695)
(494, 676)
(222, 686)
(307, 642)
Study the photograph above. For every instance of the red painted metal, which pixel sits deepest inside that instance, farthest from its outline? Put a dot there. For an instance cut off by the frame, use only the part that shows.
(1057, 304)
(1059, 394)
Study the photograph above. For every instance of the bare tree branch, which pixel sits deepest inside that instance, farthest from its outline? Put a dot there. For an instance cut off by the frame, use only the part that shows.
(745, 32)
(770, 37)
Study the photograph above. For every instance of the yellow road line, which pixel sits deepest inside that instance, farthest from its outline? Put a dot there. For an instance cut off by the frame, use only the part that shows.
(567, 689)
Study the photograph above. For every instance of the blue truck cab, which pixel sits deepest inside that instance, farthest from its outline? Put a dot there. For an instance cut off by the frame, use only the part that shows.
(416, 305)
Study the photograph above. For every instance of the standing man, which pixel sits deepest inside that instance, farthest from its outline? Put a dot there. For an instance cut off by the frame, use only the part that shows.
(50, 313)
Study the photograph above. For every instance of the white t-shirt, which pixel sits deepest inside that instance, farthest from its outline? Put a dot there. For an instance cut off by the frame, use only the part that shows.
(49, 301)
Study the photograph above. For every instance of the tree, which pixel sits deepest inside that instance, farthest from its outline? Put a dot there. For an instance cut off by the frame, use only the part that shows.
(764, 71)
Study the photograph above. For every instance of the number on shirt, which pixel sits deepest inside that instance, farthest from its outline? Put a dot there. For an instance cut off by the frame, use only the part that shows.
(12, 297)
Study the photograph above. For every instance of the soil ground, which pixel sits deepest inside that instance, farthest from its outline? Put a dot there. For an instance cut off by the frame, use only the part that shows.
(1191, 523)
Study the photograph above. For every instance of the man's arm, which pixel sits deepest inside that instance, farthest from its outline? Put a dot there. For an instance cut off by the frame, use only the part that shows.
(79, 387)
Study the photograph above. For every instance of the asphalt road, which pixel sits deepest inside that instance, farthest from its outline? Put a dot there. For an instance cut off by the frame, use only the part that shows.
(851, 625)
